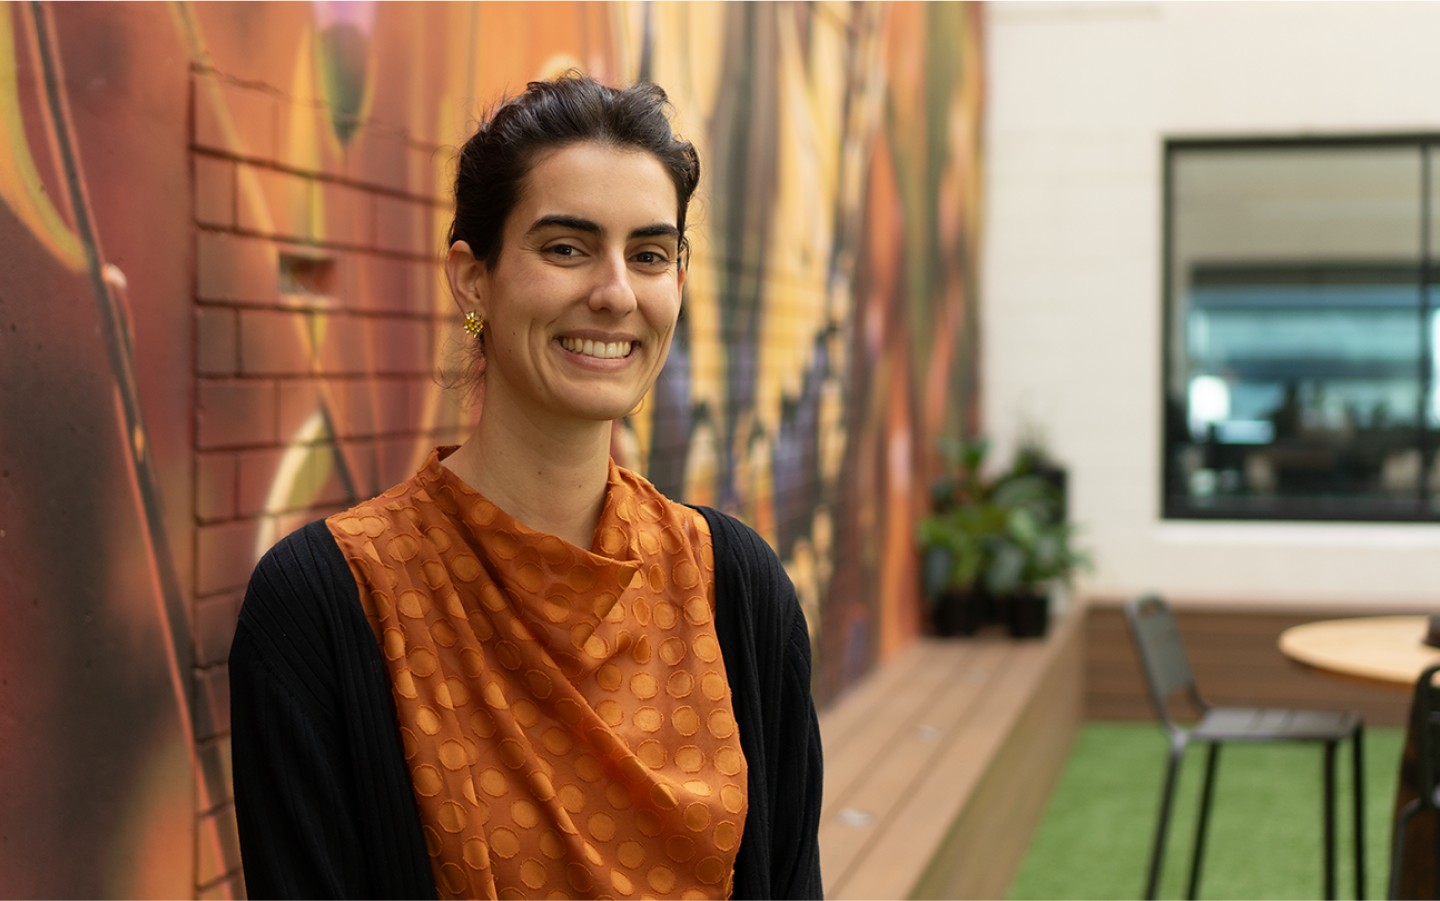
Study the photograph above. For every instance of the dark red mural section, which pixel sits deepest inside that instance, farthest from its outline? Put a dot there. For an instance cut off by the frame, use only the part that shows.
(97, 754)
(222, 315)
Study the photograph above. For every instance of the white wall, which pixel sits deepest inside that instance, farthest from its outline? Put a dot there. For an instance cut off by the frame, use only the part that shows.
(1081, 97)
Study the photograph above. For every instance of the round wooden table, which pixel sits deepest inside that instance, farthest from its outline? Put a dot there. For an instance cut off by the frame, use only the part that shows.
(1389, 651)
(1386, 649)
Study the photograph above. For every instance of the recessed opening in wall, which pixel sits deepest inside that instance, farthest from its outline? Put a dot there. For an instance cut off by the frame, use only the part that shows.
(307, 273)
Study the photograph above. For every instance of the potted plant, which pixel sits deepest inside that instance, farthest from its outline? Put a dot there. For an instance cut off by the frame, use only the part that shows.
(953, 541)
(996, 546)
(1033, 552)
(956, 546)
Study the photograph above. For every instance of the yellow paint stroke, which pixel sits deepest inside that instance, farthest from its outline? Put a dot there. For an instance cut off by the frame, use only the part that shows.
(448, 116)
(305, 136)
(558, 64)
(689, 63)
(303, 468)
(806, 193)
(21, 187)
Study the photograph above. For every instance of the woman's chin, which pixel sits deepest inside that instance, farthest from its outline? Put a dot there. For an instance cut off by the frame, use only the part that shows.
(608, 406)
(606, 412)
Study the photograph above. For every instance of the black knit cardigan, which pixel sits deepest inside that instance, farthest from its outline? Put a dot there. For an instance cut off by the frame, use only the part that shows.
(323, 798)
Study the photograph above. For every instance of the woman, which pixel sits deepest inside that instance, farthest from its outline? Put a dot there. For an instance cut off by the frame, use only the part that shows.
(524, 672)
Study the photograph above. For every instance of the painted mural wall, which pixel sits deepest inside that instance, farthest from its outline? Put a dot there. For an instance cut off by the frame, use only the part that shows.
(222, 315)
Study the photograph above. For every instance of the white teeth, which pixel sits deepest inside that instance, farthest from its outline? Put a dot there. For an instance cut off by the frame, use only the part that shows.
(605, 350)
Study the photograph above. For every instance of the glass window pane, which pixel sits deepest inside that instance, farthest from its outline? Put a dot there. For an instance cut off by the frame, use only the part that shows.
(1295, 382)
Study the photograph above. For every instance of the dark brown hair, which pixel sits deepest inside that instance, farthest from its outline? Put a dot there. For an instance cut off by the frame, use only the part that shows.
(493, 164)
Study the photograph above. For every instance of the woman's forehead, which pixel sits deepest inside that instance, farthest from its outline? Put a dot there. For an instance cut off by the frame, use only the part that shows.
(615, 187)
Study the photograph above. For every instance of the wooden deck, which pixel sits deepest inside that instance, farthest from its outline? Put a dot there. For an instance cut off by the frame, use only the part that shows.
(1233, 650)
(938, 765)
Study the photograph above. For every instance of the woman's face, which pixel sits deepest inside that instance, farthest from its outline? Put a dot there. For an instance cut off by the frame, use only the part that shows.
(581, 305)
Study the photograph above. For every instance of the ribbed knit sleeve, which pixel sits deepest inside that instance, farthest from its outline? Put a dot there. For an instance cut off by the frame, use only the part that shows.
(323, 800)
(799, 768)
(766, 648)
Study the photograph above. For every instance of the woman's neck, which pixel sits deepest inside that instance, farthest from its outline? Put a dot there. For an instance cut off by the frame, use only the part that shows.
(552, 479)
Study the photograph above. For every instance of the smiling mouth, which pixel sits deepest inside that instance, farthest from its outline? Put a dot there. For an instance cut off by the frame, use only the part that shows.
(602, 350)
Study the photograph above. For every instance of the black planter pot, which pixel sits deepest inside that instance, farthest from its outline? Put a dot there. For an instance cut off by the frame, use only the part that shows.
(1028, 615)
(961, 613)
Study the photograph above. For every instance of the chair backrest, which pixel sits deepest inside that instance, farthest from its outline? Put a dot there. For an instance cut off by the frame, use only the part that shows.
(1162, 656)
(1427, 729)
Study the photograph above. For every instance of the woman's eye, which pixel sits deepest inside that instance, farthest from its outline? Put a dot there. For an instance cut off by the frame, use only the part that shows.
(565, 251)
(652, 258)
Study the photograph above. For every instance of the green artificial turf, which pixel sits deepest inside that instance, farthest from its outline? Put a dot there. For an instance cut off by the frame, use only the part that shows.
(1265, 822)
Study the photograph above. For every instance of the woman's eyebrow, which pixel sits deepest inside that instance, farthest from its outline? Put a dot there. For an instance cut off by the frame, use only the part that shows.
(591, 227)
(658, 230)
(561, 220)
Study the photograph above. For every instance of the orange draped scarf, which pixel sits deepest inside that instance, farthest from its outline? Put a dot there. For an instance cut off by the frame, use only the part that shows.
(564, 712)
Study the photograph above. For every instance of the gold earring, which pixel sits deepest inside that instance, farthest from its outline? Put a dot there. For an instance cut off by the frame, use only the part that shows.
(474, 325)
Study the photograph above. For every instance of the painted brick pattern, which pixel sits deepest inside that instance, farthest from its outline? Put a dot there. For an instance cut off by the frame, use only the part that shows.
(317, 320)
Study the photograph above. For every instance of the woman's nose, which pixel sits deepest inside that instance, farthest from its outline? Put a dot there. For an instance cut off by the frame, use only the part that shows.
(612, 290)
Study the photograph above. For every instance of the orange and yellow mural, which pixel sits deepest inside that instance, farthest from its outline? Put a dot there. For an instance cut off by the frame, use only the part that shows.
(222, 314)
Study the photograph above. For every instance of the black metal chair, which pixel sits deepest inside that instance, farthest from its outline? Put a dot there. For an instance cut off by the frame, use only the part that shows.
(1167, 671)
(1425, 779)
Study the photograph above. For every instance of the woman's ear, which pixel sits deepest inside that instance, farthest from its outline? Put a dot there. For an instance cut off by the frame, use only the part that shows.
(464, 273)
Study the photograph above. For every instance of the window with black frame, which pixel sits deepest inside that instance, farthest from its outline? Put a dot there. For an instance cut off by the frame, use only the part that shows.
(1301, 329)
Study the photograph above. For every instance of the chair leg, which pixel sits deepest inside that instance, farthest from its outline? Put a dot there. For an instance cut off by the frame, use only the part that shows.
(1202, 827)
(1330, 821)
(1358, 762)
(1167, 797)
(1435, 865)
(1397, 846)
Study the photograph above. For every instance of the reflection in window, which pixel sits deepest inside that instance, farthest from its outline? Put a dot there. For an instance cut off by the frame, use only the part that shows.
(1301, 366)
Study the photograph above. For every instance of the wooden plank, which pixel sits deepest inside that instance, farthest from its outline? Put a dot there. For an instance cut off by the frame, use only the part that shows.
(906, 746)
(892, 862)
(1236, 660)
(848, 714)
(1000, 817)
(909, 702)
(1126, 708)
(1237, 684)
